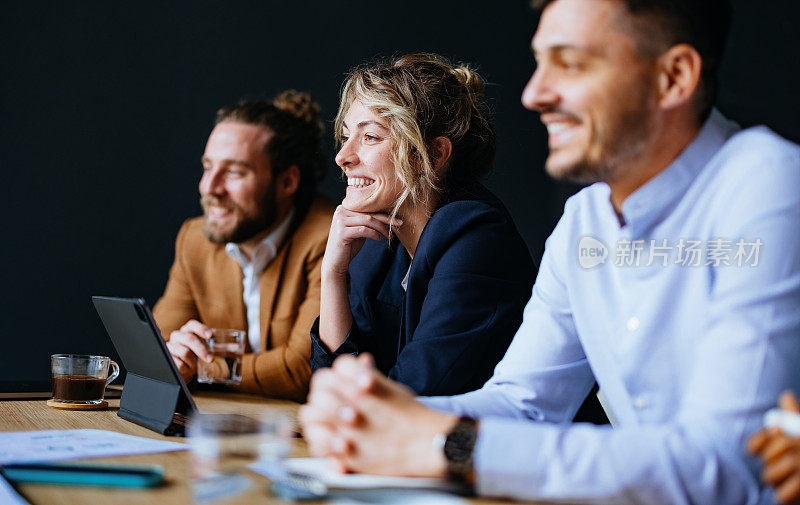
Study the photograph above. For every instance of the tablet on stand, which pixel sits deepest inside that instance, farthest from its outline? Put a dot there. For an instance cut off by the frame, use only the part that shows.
(155, 395)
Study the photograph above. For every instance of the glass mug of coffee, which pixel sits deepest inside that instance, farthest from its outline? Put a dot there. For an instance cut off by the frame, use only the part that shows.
(80, 378)
(227, 346)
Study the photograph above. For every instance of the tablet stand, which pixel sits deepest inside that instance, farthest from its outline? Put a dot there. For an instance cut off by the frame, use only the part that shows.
(154, 404)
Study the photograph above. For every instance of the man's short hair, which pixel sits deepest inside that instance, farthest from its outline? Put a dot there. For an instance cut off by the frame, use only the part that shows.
(293, 121)
(702, 24)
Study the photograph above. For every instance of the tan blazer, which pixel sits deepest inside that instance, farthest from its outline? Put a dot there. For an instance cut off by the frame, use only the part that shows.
(206, 284)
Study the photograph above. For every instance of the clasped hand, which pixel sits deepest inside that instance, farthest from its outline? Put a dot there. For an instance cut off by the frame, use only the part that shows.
(364, 422)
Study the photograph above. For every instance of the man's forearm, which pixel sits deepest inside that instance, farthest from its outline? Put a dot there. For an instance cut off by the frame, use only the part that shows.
(642, 465)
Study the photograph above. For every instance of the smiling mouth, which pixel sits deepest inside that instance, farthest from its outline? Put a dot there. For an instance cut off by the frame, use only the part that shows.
(560, 131)
(359, 182)
(216, 212)
(555, 128)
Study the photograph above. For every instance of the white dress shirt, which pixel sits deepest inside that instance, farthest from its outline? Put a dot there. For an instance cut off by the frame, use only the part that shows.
(404, 282)
(688, 316)
(263, 253)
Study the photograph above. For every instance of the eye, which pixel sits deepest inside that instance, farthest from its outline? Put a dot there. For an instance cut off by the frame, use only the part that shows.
(235, 172)
(570, 63)
(371, 138)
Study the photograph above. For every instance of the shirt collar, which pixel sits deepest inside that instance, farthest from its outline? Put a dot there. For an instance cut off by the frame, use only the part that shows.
(648, 203)
(265, 251)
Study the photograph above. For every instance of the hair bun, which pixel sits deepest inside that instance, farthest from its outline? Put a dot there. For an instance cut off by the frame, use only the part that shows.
(301, 106)
(470, 79)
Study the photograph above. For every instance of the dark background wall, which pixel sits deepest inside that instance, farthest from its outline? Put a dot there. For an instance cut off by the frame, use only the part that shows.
(106, 108)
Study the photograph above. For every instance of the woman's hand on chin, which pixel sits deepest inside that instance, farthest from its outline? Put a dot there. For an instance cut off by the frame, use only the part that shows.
(348, 231)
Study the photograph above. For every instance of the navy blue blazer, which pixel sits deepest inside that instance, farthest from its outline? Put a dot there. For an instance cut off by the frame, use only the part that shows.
(469, 282)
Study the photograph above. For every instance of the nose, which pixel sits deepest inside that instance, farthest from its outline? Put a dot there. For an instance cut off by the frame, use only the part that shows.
(347, 156)
(540, 94)
(212, 182)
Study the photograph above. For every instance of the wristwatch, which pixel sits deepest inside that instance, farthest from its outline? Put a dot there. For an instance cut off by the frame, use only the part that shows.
(458, 446)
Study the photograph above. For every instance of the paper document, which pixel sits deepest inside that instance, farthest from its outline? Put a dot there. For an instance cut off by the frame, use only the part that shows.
(55, 445)
(320, 469)
(8, 496)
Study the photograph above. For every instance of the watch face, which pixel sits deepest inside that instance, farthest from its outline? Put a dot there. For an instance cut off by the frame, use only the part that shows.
(458, 448)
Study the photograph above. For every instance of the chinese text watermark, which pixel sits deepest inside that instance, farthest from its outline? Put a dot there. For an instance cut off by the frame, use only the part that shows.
(716, 252)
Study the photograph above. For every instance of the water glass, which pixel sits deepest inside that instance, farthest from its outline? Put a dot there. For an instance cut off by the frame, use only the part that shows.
(227, 346)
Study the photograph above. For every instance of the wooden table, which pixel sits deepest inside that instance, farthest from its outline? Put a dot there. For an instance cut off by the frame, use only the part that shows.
(19, 415)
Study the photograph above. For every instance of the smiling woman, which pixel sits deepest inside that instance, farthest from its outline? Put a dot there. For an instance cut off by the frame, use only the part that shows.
(437, 293)
(366, 158)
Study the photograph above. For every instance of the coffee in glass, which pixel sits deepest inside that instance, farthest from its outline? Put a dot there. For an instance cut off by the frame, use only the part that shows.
(81, 378)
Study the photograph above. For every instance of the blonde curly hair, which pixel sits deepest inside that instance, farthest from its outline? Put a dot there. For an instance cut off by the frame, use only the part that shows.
(424, 96)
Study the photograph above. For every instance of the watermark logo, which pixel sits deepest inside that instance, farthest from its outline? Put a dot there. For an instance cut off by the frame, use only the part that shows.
(716, 253)
(591, 252)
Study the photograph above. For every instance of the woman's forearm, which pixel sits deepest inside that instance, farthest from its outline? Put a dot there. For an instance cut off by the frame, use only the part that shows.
(349, 230)
(335, 318)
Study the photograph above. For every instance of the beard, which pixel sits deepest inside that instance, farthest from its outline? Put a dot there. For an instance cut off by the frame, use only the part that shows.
(245, 226)
(614, 144)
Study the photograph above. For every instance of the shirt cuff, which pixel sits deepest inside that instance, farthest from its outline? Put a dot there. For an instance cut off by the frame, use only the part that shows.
(506, 458)
(441, 404)
(321, 356)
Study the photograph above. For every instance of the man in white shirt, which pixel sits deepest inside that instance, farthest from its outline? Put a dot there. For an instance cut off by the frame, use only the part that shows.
(674, 281)
(252, 262)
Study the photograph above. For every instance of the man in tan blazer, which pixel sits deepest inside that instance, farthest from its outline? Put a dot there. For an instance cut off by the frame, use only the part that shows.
(252, 261)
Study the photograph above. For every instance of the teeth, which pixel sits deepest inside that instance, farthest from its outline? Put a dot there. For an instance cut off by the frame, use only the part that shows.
(554, 128)
(359, 182)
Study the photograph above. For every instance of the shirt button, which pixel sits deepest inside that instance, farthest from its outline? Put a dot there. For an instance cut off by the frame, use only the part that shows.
(633, 324)
(640, 403)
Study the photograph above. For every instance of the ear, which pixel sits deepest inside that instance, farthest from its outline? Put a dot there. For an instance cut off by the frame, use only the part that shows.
(441, 149)
(679, 71)
(288, 182)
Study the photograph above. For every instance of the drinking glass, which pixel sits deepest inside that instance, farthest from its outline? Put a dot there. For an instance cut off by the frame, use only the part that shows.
(223, 445)
(227, 346)
(81, 378)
